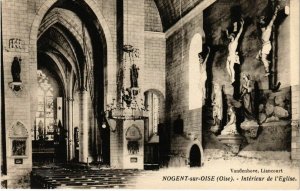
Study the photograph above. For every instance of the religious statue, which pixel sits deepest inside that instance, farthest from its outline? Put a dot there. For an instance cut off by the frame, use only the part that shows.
(233, 57)
(41, 130)
(134, 74)
(127, 96)
(266, 43)
(16, 69)
(246, 97)
(203, 75)
(230, 128)
(217, 104)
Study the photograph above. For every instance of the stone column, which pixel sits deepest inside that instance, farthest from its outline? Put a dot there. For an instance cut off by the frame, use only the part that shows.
(70, 128)
(65, 124)
(83, 126)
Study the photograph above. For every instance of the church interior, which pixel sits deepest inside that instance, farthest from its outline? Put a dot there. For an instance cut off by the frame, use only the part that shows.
(133, 86)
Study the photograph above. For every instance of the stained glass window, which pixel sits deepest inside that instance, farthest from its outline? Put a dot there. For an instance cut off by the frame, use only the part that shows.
(45, 122)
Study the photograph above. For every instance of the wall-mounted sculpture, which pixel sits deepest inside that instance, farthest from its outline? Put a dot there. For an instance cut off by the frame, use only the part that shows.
(266, 43)
(16, 69)
(127, 97)
(134, 74)
(16, 85)
(233, 57)
(269, 37)
(129, 104)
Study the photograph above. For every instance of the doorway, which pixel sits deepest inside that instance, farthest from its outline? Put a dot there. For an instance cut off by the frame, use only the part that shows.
(195, 156)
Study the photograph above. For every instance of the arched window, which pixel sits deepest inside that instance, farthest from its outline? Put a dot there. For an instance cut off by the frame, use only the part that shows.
(46, 115)
(195, 94)
(154, 103)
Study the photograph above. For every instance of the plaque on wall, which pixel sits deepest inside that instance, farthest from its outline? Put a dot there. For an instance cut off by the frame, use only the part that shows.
(18, 161)
(133, 160)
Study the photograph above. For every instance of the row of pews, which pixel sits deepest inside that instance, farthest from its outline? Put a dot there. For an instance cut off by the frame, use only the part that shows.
(83, 178)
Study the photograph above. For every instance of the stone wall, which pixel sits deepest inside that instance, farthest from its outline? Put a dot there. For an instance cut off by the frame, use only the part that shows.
(152, 18)
(177, 80)
(155, 47)
(17, 107)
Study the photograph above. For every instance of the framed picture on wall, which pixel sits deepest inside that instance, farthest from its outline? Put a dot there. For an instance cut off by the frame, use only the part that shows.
(18, 147)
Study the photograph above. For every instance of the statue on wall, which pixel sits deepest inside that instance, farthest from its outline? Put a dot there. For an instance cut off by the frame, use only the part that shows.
(230, 128)
(247, 89)
(217, 104)
(16, 85)
(203, 75)
(233, 57)
(134, 74)
(266, 43)
(16, 69)
(126, 96)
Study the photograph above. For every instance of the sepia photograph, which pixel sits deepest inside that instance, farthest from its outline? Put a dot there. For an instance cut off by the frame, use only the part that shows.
(150, 94)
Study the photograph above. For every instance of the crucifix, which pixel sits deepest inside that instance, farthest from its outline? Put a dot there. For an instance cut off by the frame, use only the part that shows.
(269, 43)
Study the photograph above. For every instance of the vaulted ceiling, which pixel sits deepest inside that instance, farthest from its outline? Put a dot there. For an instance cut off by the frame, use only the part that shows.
(171, 10)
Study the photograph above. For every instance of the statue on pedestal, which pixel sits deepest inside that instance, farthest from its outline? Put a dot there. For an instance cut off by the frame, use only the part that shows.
(16, 85)
(266, 43)
(233, 57)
